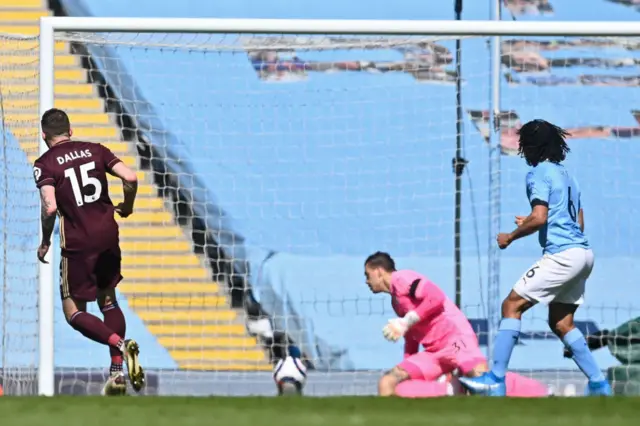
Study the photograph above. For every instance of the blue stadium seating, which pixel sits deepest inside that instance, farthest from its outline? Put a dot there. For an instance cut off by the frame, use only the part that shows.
(19, 212)
(306, 250)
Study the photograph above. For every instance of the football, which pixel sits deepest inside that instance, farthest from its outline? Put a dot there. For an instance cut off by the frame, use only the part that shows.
(290, 375)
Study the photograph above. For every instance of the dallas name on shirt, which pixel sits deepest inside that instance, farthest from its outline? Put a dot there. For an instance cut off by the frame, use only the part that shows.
(74, 155)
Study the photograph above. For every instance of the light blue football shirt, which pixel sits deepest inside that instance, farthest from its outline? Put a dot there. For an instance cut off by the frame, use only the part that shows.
(551, 185)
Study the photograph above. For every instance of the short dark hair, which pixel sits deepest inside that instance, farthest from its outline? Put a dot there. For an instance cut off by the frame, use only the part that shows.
(382, 260)
(55, 122)
(542, 141)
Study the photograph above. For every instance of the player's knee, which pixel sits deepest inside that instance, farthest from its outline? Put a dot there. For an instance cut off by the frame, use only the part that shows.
(106, 297)
(387, 383)
(68, 314)
(70, 307)
(478, 370)
(561, 326)
(515, 305)
(560, 329)
(561, 318)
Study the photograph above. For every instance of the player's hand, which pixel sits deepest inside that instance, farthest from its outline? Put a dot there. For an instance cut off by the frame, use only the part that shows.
(519, 220)
(504, 240)
(123, 210)
(43, 249)
(395, 329)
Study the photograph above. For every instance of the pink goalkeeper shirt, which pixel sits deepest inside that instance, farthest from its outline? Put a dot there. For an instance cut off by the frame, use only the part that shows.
(441, 320)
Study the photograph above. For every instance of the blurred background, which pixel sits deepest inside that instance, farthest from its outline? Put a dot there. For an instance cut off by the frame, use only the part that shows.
(271, 166)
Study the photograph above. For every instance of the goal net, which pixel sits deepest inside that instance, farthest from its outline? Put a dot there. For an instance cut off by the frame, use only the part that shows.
(19, 215)
(270, 166)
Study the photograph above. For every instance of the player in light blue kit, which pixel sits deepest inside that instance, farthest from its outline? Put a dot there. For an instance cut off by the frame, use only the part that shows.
(558, 278)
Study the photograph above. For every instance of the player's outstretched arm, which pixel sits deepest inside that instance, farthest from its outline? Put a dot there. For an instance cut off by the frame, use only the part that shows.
(47, 218)
(129, 188)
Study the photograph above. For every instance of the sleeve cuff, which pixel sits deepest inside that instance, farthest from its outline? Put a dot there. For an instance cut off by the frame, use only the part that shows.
(539, 202)
(412, 317)
(44, 182)
(113, 162)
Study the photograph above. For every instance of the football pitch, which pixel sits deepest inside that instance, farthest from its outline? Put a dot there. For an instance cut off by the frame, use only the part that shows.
(367, 411)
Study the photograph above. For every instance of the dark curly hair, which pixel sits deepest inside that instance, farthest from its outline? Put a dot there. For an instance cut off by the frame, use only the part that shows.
(542, 141)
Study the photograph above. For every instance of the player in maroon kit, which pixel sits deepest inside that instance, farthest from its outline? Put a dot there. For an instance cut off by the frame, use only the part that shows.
(72, 178)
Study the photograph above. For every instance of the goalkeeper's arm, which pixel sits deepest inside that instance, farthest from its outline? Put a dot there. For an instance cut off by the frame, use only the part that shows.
(431, 301)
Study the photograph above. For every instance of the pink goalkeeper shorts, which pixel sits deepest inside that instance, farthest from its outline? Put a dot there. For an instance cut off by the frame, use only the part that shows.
(462, 353)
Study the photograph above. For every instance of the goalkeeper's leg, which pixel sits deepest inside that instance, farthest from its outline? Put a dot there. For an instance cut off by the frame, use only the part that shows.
(424, 389)
(516, 385)
(423, 367)
(470, 362)
(519, 386)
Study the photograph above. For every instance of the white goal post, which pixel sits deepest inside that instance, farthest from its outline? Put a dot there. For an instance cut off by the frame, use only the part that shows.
(50, 26)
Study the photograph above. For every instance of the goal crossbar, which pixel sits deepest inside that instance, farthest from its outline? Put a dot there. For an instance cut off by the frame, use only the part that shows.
(339, 26)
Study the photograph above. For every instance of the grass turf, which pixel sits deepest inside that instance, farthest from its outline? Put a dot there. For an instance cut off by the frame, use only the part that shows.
(369, 411)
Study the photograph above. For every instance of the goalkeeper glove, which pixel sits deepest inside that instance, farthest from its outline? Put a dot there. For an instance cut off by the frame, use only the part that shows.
(397, 327)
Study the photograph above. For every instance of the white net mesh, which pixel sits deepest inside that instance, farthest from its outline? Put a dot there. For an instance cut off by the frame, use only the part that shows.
(352, 156)
(259, 200)
(19, 213)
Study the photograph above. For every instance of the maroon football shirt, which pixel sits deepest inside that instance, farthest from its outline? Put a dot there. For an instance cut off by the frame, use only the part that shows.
(78, 171)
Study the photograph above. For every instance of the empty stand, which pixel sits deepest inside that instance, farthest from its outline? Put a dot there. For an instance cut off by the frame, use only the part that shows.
(168, 286)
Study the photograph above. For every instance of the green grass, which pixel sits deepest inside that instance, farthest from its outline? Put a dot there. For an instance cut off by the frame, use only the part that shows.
(476, 411)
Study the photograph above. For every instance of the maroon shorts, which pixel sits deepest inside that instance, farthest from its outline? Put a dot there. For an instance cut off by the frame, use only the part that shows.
(82, 274)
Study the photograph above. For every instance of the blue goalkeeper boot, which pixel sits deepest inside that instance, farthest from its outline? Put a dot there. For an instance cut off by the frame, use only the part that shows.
(487, 384)
(602, 388)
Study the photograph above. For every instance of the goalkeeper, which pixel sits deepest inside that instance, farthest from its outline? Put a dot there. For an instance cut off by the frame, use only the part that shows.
(428, 318)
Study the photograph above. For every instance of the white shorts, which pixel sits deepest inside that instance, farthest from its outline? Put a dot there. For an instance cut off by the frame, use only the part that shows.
(559, 277)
